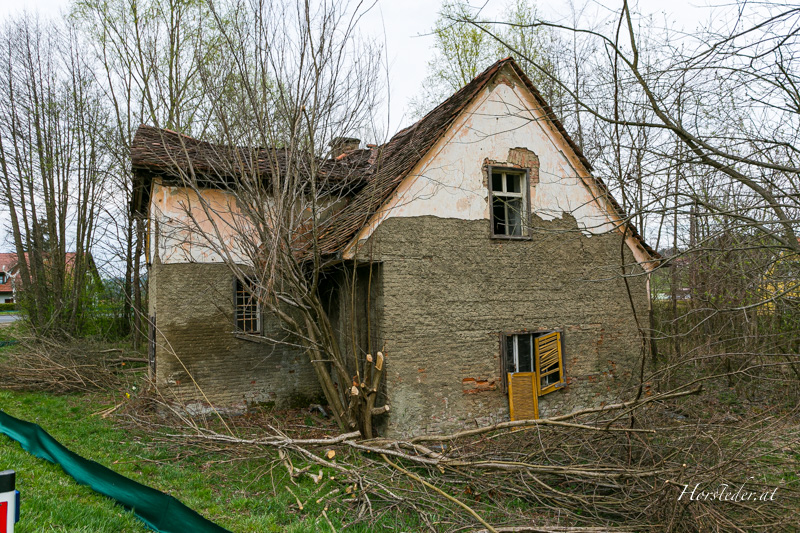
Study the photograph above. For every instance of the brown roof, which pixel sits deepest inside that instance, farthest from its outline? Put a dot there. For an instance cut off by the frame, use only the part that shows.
(172, 155)
(375, 174)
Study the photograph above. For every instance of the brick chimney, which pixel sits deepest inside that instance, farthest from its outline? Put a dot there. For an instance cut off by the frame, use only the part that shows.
(340, 145)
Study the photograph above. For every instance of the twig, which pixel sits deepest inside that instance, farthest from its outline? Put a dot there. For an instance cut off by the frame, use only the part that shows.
(328, 520)
(443, 493)
(299, 505)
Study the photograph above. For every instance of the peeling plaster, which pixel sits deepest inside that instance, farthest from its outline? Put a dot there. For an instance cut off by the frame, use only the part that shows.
(186, 232)
(449, 181)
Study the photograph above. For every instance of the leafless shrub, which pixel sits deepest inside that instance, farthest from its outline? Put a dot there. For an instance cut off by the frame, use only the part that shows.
(590, 470)
(64, 366)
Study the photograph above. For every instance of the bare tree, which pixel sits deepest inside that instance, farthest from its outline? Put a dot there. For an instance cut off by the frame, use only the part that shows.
(462, 51)
(296, 79)
(52, 169)
(146, 59)
(705, 100)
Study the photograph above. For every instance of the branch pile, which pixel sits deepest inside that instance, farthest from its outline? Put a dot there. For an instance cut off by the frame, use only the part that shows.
(621, 467)
(45, 364)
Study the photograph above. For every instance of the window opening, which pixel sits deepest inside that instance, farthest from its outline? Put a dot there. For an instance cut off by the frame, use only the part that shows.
(248, 309)
(509, 202)
(534, 366)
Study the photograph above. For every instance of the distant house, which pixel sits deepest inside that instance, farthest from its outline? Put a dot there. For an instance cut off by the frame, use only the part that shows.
(8, 265)
(10, 283)
(493, 254)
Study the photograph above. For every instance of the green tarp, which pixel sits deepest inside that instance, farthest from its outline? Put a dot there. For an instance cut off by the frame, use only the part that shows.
(156, 509)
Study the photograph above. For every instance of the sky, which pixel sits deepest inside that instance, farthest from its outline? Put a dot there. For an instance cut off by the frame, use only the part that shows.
(404, 27)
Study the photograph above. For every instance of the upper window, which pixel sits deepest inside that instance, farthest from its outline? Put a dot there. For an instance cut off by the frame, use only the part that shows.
(509, 202)
(248, 308)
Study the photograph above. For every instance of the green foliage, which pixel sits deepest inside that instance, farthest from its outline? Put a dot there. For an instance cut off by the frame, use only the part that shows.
(104, 312)
(8, 307)
(462, 50)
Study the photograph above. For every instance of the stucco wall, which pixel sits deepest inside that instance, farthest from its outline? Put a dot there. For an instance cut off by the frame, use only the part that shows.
(184, 229)
(193, 304)
(498, 127)
(449, 290)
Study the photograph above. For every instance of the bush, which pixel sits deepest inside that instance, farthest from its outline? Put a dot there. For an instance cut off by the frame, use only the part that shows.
(8, 307)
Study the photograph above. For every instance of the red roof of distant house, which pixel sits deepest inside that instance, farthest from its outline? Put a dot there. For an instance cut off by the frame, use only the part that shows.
(8, 264)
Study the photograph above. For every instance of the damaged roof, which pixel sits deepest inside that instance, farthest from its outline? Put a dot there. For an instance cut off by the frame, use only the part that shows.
(173, 157)
(373, 174)
(171, 154)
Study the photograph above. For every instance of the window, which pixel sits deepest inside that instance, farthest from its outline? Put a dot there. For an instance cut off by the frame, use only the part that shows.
(534, 366)
(248, 309)
(509, 202)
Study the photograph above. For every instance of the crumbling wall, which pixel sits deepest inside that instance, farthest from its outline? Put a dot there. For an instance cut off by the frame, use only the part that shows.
(201, 360)
(449, 291)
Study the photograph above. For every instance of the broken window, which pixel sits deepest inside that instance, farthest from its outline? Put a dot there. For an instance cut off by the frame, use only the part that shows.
(533, 366)
(248, 309)
(508, 190)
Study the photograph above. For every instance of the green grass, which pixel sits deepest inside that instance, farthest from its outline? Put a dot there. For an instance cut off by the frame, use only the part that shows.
(241, 492)
(51, 500)
(241, 495)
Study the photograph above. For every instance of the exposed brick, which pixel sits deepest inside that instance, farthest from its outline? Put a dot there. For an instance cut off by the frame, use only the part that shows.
(197, 349)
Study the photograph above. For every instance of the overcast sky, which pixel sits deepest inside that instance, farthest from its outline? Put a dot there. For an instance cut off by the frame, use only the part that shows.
(404, 25)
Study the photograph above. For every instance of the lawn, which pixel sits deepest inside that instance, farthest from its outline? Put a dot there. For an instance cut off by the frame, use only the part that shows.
(241, 490)
(239, 493)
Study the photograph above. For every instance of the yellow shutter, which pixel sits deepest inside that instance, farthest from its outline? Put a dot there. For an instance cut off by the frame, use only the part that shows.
(522, 399)
(549, 363)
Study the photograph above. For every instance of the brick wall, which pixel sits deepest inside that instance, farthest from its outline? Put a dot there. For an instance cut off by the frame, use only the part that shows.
(449, 291)
(193, 304)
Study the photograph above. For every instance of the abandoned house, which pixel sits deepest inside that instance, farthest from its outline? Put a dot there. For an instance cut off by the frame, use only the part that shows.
(490, 266)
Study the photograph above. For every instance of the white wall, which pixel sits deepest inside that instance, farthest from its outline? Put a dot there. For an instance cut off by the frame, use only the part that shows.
(450, 181)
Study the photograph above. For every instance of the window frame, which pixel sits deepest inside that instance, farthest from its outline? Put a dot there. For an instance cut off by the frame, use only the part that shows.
(505, 358)
(237, 283)
(524, 193)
